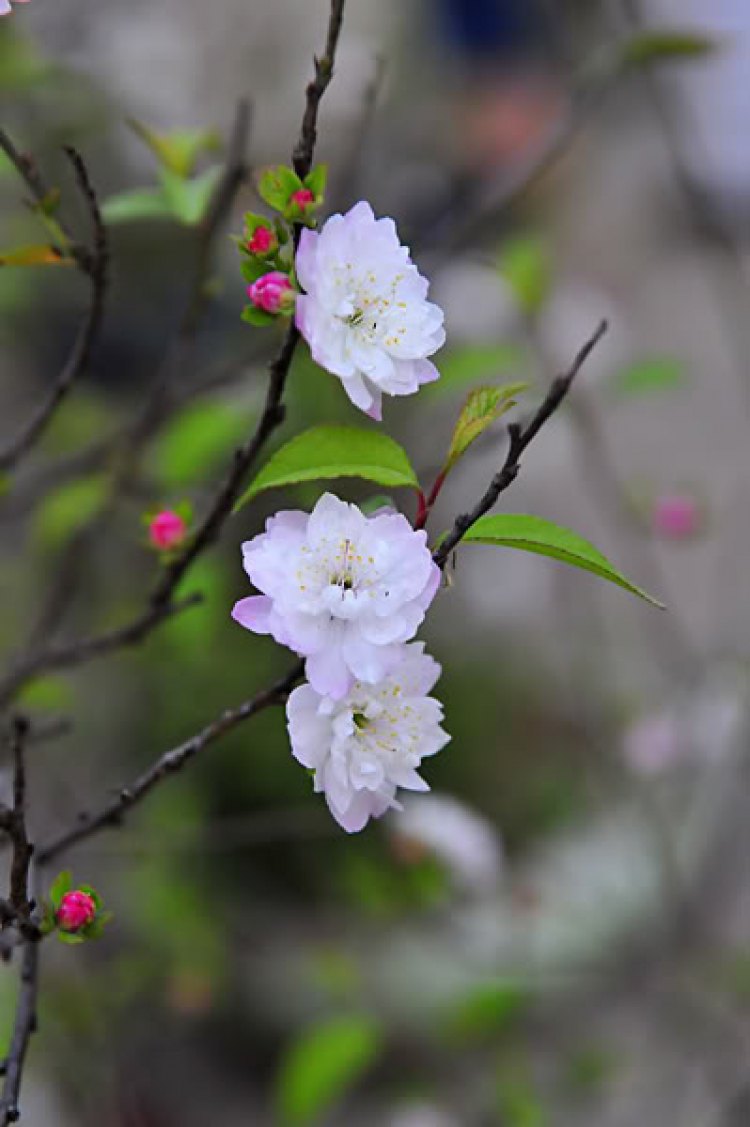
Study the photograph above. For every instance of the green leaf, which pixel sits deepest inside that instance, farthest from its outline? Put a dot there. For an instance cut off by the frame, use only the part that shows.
(329, 452)
(322, 1065)
(178, 150)
(649, 374)
(188, 200)
(34, 256)
(92, 893)
(489, 1009)
(141, 203)
(68, 508)
(62, 883)
(258, 317)
(534, 534)
(196, 441)
(526, 265)
(277, 184)
(484, 405)
(315, 181)
(97, 927)
(665, 46)
(70, 937)
(468, 365)
(252, 269)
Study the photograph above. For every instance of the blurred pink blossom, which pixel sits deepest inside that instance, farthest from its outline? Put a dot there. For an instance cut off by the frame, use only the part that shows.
(167, 529)
(676, 516)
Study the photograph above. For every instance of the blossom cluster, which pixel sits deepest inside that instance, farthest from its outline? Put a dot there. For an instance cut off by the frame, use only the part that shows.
(348, 592)
(345, 590)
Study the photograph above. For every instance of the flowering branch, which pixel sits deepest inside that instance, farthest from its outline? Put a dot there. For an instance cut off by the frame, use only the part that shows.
(273, 411)
(94, 265)
(168, 764)
(520, 438)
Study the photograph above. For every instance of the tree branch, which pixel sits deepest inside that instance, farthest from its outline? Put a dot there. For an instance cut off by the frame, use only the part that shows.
(77, 362)
(520, 438)
(168, 764)
(24, 1026)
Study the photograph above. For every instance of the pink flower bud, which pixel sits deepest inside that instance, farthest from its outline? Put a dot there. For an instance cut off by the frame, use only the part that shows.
(272, 293)
(676, 516)
(167, 530)
(263, 241)
(77, 909)
(303, 197)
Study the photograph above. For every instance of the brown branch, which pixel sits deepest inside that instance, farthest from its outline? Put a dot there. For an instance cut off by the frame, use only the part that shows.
(302, 156)
(273, 411)
(40, 191)
(84, 649)
(161, 603)
(13, 822)
(24, 1026)
(520, 438)
(77, 362)
(166, 765)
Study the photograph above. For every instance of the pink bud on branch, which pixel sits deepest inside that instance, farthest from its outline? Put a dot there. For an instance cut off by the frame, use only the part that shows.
(76, 911)
(303, 198)
(263, 241)
(272, 293)
(167, 530)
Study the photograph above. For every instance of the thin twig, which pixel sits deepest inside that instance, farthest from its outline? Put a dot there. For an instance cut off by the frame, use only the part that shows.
(273, 411)
(304, 150)
(167, 764)
(520, 438)
(97, 645)
(77, 362)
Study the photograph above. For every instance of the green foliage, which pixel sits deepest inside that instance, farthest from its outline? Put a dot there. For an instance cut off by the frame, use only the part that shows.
(519, 1104)
(189, 199)
(258, 317)
(331, 452)
(20, 66)
(483, 407)
(323, 1064)
(141, 203)
(315, 181)
(68, 509)
(649, 374)
(47, 693)
(62, 883)
(665, 46)
(462, 366)
(526, 265)
(488, 1010)
(177, 151)
(196, 441)
(277, 184)
(534, 534)
(179, 198)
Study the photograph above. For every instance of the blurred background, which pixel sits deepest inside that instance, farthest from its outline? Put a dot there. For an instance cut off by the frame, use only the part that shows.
(558, 933)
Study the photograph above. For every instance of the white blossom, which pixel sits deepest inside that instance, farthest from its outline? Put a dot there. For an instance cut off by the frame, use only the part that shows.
(364, 312)
(365, 746)
(343, 589)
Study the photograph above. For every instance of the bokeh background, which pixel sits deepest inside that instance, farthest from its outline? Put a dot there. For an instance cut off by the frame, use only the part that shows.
(559, 933)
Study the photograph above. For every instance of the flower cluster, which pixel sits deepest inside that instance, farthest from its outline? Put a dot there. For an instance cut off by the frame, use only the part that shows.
(347, 591)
